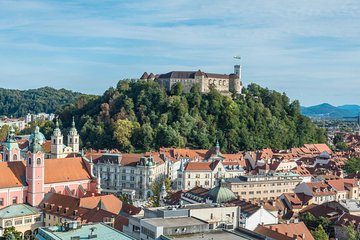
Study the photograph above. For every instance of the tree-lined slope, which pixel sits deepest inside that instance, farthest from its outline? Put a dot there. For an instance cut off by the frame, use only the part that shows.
(139, 115)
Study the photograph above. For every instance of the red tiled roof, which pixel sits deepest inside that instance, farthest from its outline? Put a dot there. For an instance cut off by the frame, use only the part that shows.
(200, 166)
(12, 174)
(341, 184)
(285, 231)
(110, 202)
(47, 146)
(65, 170)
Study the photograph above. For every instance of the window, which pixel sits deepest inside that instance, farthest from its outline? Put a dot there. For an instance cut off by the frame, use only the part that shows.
(38, 161)
(243, 193)
(132, 171)
(251, 192)
(258, 192)
(123, 178)
(28, 220)
(18, 222)
(132, 178)
(8, 223)
(1, 201)
(197, 176)
(15, 157)
(14, 200)
(54, 141)
(29, 161)
(272, 191)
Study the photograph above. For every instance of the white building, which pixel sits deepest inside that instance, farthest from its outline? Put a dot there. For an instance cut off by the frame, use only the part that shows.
(130, 174)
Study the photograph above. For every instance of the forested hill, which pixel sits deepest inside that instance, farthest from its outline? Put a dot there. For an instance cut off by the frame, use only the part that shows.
(141, 116)
(18, 103)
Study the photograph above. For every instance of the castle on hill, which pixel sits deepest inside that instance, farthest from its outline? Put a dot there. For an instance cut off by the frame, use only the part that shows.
(224, 83)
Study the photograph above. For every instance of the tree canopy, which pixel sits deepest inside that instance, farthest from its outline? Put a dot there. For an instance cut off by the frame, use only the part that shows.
(142, 116)
(18, 103)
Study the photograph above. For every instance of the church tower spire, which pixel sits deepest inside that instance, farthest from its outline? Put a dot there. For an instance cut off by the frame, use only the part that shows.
(57, 139)
(35, 168)
(73, 138)
(11, 150)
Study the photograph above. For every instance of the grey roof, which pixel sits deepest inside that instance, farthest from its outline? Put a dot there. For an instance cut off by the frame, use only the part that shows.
(191, 74)
(102, 231)
(174, 222)
(17, 210)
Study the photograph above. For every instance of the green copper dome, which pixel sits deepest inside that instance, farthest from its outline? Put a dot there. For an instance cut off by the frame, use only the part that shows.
(221, 194)
(36, 141)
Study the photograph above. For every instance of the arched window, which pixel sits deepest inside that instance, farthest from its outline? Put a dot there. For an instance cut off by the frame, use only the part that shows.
(29, 161)
(15, 157)
(38, 161)
(8, 223)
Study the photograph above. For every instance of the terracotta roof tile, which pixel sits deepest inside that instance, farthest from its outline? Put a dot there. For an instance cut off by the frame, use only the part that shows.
(288, 231)
(110, 202)
(12, 174)
(65, 170)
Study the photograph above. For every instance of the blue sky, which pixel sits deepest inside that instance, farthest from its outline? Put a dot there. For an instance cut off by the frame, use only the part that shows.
(309, 49)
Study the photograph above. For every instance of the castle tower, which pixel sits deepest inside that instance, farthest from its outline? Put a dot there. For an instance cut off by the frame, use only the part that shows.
(235, 80)
(57, 139)
(35, 169)
(73, 138)
(11, 147)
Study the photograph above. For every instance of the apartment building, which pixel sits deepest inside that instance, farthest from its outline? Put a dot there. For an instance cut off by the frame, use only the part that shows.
(129, 174)
(263, 187)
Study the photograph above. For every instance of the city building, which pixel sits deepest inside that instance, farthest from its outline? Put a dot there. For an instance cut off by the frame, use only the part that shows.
(128, 174)
(27, 181)
(251, 215)
(330, 190)
(74, 230)
(263, 187)
(224, 83)
(24, 218)
(18, 123)
(286, 231)
(184, 219)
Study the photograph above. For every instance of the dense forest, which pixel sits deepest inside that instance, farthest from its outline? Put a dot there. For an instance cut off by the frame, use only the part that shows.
(18, 103)
(142, 116)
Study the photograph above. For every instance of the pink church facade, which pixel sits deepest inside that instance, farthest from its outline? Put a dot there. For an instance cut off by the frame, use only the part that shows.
(27, 181)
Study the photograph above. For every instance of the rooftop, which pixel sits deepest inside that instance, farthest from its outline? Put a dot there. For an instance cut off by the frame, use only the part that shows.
(102, 231)
(174, 222)
(17, 210)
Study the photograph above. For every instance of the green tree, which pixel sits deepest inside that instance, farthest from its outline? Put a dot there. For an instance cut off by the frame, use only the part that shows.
(352, 165)
(11, 233)
(4, 130)
(122, 133)
(319, 233)
(351, 232)
(177, 89)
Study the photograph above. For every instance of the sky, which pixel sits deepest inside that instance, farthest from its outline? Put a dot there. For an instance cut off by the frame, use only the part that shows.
(309, 49)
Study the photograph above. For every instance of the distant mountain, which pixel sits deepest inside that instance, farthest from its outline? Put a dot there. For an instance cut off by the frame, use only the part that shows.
(328, 110)
(18, 103)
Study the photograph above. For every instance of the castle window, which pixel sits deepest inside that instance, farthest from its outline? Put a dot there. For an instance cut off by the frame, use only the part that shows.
(15, 157)
(38, 161)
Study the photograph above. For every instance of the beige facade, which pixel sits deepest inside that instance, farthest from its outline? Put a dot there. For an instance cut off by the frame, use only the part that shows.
(263, 187)
(206, 174)
(224, 83)
(24, 218)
